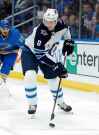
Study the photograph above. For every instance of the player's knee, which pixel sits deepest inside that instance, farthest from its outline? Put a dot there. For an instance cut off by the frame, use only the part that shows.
(30, 77)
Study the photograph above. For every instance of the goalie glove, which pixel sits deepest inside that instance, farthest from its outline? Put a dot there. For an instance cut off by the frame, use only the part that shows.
(68, 47)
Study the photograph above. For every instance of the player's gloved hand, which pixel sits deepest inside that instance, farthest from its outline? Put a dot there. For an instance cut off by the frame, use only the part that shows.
(68, 47)
(60, 70)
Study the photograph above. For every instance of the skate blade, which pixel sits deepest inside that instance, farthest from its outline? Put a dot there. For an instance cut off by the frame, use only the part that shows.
(31, 116)
(69, 113)
(66, 113)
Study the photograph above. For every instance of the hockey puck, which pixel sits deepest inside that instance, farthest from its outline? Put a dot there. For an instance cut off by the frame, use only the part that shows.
(52, 125)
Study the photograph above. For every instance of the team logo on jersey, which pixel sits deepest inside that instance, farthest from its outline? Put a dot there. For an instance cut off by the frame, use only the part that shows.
(44, 32)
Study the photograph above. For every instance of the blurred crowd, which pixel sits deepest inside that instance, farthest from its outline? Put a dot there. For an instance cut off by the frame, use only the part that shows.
(5, 8)
(83, 18)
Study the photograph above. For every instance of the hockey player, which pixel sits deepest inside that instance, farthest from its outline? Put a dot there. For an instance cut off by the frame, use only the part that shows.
(10, 42)
(39, 49)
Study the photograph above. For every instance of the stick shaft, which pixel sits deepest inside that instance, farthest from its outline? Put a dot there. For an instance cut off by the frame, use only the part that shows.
(53, 110)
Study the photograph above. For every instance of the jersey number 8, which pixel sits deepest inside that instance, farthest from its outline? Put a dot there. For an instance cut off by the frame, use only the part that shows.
(39, 43)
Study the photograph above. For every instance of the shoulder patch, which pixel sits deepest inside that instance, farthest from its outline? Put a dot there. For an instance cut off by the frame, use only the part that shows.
(60, 26)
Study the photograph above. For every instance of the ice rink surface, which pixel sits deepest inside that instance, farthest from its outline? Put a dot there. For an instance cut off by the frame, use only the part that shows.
(15, 121)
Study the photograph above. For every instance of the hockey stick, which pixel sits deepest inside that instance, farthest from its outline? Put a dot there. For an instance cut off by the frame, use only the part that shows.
(51, 124)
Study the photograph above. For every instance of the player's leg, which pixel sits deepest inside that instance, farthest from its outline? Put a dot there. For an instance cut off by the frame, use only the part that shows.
(52, 71)
(31, 90)
(53, 86)
(7, 61)
(30, 68)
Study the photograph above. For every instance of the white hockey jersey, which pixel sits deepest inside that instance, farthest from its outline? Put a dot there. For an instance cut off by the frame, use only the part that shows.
(42, 41)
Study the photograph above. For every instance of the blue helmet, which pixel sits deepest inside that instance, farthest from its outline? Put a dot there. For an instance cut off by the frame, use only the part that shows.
(4, 24)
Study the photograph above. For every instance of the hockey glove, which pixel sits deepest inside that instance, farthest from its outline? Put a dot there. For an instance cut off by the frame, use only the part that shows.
(68, 47)
(60, 70)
